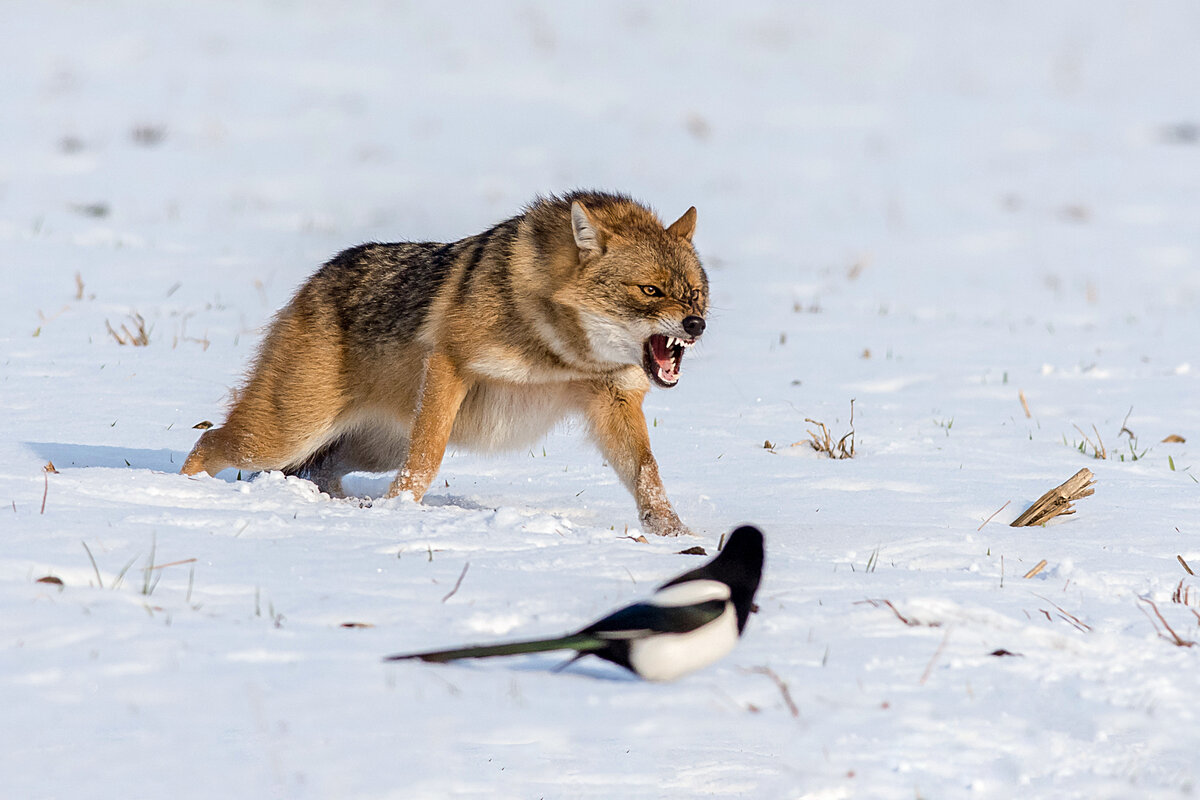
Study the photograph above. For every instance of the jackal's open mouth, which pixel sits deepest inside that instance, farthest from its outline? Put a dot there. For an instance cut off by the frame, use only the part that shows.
(661, 357)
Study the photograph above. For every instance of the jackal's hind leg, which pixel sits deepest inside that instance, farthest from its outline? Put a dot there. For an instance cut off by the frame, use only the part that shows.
(368, 449)
(211, 453)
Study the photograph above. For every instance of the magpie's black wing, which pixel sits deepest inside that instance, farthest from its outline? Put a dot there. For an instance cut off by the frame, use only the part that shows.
(643, 619)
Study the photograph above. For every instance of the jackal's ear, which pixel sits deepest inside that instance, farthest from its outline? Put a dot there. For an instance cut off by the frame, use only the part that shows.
(589, 235)
(685, 226)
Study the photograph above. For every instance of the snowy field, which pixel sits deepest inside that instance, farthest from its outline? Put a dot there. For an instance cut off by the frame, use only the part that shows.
(928, 210)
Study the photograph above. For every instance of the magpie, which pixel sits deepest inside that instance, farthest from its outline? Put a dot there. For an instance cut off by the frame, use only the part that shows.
(688, 623)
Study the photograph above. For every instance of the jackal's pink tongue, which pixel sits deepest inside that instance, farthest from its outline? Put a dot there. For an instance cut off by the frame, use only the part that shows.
(662, 355)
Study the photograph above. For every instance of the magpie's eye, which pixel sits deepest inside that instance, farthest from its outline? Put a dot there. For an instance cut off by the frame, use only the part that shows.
(651, 291)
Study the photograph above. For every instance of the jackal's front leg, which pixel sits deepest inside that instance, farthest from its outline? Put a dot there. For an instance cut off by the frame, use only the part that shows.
(442, 392)
(619, 428)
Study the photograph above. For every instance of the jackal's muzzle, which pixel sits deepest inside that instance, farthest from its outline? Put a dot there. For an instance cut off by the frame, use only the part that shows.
(662, 357)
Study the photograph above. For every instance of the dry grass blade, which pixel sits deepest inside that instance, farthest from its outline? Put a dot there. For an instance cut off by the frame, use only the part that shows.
(182, 336)
(993, 516)
(170, 564)
(936, 655)
(96, 569)
(1025, 404)
(909, 622)
(1058, 500)
(1098, 450)
(1066, 615)
(823, 442)
(912, 623)
(1184, 564)
(1174, 638)
(46, 470)
(781, 685)
(458, 582)
(138, 337)
(114, 334)
(1182, 594)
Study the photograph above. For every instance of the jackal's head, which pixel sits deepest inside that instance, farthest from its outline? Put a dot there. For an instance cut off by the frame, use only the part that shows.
(646, 291)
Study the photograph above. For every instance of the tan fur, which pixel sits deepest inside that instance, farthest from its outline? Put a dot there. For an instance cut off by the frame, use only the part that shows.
(390, 352)
(441, 395)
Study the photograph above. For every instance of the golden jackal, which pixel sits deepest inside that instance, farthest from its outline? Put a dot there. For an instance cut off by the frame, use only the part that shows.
(391, 351)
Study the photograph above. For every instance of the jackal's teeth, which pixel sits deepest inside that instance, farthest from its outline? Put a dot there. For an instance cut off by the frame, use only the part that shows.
(675, 341)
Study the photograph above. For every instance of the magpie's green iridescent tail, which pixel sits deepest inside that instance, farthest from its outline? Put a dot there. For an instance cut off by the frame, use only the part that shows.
(579, 642)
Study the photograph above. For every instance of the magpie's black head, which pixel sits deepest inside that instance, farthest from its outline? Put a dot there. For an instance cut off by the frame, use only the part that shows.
(739, 566)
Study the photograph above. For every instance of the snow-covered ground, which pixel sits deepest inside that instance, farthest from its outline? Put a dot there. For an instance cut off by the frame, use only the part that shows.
(927, 209)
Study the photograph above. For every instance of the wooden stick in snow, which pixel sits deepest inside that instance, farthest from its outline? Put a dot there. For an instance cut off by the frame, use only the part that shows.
(1058, 500)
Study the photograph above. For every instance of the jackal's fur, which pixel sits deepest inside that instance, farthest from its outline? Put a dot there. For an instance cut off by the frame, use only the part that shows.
(390, 351)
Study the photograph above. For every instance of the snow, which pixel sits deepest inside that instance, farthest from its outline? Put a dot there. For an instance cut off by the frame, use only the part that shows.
(926, 209)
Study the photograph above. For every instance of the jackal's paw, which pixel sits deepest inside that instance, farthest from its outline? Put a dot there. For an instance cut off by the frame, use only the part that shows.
(665, 525)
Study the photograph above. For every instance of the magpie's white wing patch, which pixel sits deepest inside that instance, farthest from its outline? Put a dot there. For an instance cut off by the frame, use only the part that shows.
(690, 593)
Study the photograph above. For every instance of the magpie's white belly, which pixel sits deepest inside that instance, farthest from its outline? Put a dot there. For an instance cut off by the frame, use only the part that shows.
(667, 656)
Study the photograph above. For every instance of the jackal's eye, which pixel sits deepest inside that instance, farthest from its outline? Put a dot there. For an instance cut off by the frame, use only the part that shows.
(651, 291)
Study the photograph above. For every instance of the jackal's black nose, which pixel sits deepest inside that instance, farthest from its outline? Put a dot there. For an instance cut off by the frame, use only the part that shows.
(694, 326)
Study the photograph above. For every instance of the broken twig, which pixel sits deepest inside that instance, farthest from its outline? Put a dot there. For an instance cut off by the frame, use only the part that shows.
(1038, 567)
(1058, 500)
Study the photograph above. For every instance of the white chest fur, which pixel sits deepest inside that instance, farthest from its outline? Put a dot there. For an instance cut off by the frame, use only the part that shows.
(496, 417)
